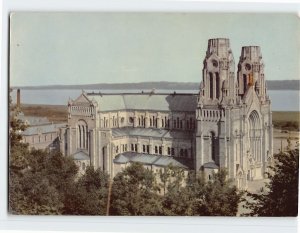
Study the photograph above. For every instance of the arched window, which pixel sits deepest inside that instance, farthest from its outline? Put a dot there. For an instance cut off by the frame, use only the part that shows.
(211, 85)
(213, 146)
(217, 85)
(254, 135)
(82, 135)
(245, 82)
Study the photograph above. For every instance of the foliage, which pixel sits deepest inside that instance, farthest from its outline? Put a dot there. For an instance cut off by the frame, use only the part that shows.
(281, 195)
(217, 197)
(176, 198)
(37, 185)
(220, 198)
(134, 192)
(89, 195)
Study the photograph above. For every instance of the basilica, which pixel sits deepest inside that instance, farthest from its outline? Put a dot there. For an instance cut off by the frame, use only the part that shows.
(227, 124)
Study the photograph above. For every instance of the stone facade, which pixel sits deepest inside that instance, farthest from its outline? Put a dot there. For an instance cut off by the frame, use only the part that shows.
(227, 125)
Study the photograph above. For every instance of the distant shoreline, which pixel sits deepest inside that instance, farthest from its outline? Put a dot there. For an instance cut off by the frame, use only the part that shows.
(271, 85)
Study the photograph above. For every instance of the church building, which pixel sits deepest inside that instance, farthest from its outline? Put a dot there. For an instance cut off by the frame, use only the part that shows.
(228, 124)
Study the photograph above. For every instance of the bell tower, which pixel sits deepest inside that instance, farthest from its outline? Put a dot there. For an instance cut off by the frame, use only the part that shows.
(218, 73)
(251, 72)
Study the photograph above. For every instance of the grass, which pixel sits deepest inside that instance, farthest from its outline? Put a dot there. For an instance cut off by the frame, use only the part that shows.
(286, 120)
(55, 113)
(286, 116)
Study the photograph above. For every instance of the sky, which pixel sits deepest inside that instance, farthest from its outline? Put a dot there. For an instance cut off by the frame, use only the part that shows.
(86, 48)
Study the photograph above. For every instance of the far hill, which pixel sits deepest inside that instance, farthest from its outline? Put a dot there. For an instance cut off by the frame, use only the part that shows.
(271, 84)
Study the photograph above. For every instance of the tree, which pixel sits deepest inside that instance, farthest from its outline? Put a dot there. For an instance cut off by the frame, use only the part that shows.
(134, 192)
(38, 184)
(220, 197)
(176, 199)
(217, 197)
(280, 197)
(89, 195)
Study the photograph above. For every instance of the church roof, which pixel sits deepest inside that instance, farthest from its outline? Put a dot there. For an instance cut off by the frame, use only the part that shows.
(80, 155)
(210, 165)
(33, 120)
(145, 101)
(41, 129)
(149, 159)
(151, 132)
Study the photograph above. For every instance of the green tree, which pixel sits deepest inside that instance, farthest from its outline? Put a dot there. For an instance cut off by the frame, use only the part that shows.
(220, 197)
(134, 192)
(217, 197)
(89, 195)
(176, 200)
(280, 197)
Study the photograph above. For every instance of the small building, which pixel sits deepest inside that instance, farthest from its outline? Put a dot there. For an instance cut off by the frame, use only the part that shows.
(43, 136)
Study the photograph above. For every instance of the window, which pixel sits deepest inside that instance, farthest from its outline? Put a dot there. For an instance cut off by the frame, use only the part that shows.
(181, 152)
(130, 120)
(169, 150)
(144, 148)
(148, 149)
(211, 85)
(135, 149)
(217, 85)
(132, 148)
(172, 151)
(156, 150)
(117, 149)
(122, 120)
(160, 150)
(186, 153)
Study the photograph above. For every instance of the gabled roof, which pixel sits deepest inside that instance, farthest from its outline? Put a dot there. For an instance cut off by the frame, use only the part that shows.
(145, 101)
(210, 165)
(80, 155)
(33, 120)
(149, 159)
(42, 129)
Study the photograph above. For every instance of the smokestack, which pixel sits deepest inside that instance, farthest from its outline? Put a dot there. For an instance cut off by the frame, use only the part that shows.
(18, 99)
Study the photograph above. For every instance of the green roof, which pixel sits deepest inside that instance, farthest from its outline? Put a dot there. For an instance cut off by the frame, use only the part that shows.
(145, 101)
(80, 155)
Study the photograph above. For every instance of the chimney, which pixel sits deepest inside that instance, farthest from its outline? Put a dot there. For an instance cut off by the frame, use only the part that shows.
(18, 99)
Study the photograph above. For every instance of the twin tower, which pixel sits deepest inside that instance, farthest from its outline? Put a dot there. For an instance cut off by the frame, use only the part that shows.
(234, 122)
